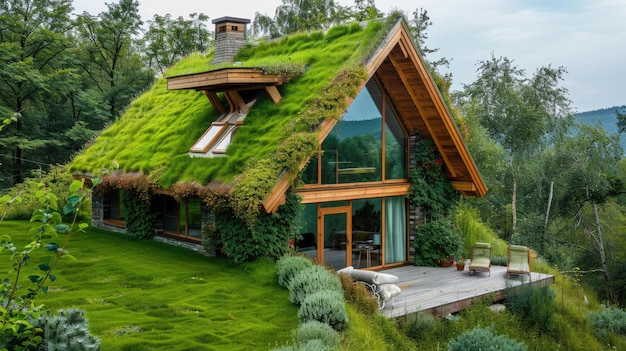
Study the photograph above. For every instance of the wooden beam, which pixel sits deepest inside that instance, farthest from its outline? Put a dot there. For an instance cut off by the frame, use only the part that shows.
(215, 102)
(419, 107)
(463, 186)
(351, 192)
(273, 93)
(236, 101)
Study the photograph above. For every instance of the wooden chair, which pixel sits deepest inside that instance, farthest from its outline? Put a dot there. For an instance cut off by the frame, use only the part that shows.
(517, 260)
(481, 258)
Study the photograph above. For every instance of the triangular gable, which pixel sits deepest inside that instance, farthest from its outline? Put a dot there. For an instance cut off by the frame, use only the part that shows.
(398, 67)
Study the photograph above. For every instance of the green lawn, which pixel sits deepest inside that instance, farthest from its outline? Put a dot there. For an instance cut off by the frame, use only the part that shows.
(145, 295)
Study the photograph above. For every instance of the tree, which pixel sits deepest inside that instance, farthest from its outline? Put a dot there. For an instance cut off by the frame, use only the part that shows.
(589, 181)
(365, 10)
(168, 40)
(32, 47)
(110, 60)
(300, 15)
(419, 24)
(521, 114)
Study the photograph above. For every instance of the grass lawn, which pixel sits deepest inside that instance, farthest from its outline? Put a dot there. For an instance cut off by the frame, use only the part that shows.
(145, 295)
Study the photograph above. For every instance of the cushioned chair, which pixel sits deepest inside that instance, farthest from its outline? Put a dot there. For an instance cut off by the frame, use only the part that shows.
(481, 258)
(518, 260)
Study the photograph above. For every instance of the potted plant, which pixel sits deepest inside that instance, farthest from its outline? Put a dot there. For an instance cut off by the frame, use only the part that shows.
(460, 264)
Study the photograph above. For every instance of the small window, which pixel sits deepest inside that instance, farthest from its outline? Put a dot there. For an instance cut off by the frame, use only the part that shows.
(209, 137)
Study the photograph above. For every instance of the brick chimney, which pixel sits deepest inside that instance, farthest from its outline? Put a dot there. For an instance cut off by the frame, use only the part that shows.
(230, 36)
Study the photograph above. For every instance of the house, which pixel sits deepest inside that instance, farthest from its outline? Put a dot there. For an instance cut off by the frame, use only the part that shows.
(330, 117)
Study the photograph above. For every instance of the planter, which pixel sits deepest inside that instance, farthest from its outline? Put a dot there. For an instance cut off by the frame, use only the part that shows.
(460, 265)
(445, 262)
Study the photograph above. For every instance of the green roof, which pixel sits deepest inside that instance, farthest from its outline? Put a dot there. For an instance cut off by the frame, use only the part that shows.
(154, 135)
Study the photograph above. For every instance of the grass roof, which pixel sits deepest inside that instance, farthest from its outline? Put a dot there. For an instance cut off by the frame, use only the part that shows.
(155, 133)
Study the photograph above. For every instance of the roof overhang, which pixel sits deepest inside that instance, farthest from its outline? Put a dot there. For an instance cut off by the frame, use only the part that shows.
(232, 78)
(399, 68)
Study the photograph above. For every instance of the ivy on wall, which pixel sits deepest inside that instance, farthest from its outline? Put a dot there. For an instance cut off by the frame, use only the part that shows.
(269, 237)
(433, 193)
(430, 188)
(136, 191)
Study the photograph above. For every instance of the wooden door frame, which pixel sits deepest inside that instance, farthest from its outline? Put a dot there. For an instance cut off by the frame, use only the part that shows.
(321, 212)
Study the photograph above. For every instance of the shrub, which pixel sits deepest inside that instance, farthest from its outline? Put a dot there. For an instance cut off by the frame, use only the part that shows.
(535, 305)
(484, 339)
(312, 280)
(418, 324)
(68, 331)
(268, 237)
(435, 240)
(316, 330)
(288, 266)
(610, 319)
(315, 345)
(326, 306)
(359, 295)
(498, 260)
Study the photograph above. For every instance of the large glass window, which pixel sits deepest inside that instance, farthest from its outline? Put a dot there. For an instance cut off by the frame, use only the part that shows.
(366, 232)
(353, 150)
(396, 147)
(183, 219)
(111, 205)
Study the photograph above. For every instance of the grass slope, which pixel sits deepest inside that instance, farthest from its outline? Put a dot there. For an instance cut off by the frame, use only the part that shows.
(145, 295)
(156, 132)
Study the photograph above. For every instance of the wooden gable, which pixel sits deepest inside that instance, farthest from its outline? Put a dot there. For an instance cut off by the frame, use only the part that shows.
(402, 73)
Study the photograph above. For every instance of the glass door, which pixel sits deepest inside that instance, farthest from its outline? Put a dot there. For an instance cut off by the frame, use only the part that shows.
(335, 226)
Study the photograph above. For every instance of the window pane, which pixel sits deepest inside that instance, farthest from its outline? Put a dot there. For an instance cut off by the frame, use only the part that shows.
(352, 152)
(308, 231)
(366, 235)
(170, 222)
(194, 217)
(395, 147)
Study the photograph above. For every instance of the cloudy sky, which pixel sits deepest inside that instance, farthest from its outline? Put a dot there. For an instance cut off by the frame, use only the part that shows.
(587, 37)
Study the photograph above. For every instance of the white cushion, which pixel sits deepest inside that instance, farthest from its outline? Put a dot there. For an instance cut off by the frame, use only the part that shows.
(387, 291)
(385, 278)
(347, 270)
(369, 276)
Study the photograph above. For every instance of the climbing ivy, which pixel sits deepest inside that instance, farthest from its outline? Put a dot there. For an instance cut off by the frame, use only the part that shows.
(430, 188)
(269, 236)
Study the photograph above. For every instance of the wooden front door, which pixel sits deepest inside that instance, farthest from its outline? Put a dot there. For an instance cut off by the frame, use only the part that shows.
(335, 231)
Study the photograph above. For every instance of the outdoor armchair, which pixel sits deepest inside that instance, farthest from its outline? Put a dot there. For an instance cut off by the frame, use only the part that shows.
(481, 258)
(518, 260)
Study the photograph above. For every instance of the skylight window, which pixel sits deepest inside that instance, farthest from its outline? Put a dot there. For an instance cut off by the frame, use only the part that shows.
(209, 137)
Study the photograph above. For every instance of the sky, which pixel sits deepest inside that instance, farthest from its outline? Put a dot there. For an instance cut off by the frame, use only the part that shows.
(587, 37)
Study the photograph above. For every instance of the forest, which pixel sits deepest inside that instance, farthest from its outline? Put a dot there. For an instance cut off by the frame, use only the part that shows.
(555, 180)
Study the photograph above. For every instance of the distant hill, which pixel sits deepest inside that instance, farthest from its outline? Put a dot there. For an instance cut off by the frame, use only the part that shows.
(354, 128)
(606, 118)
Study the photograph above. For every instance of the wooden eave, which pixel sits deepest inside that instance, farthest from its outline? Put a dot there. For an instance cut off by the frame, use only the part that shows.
(238, 78)
(420, 106)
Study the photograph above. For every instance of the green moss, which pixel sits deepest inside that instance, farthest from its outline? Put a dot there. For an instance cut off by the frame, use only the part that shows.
(154, 135)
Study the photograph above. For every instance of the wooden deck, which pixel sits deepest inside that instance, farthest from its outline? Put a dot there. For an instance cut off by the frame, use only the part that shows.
(441, 291)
